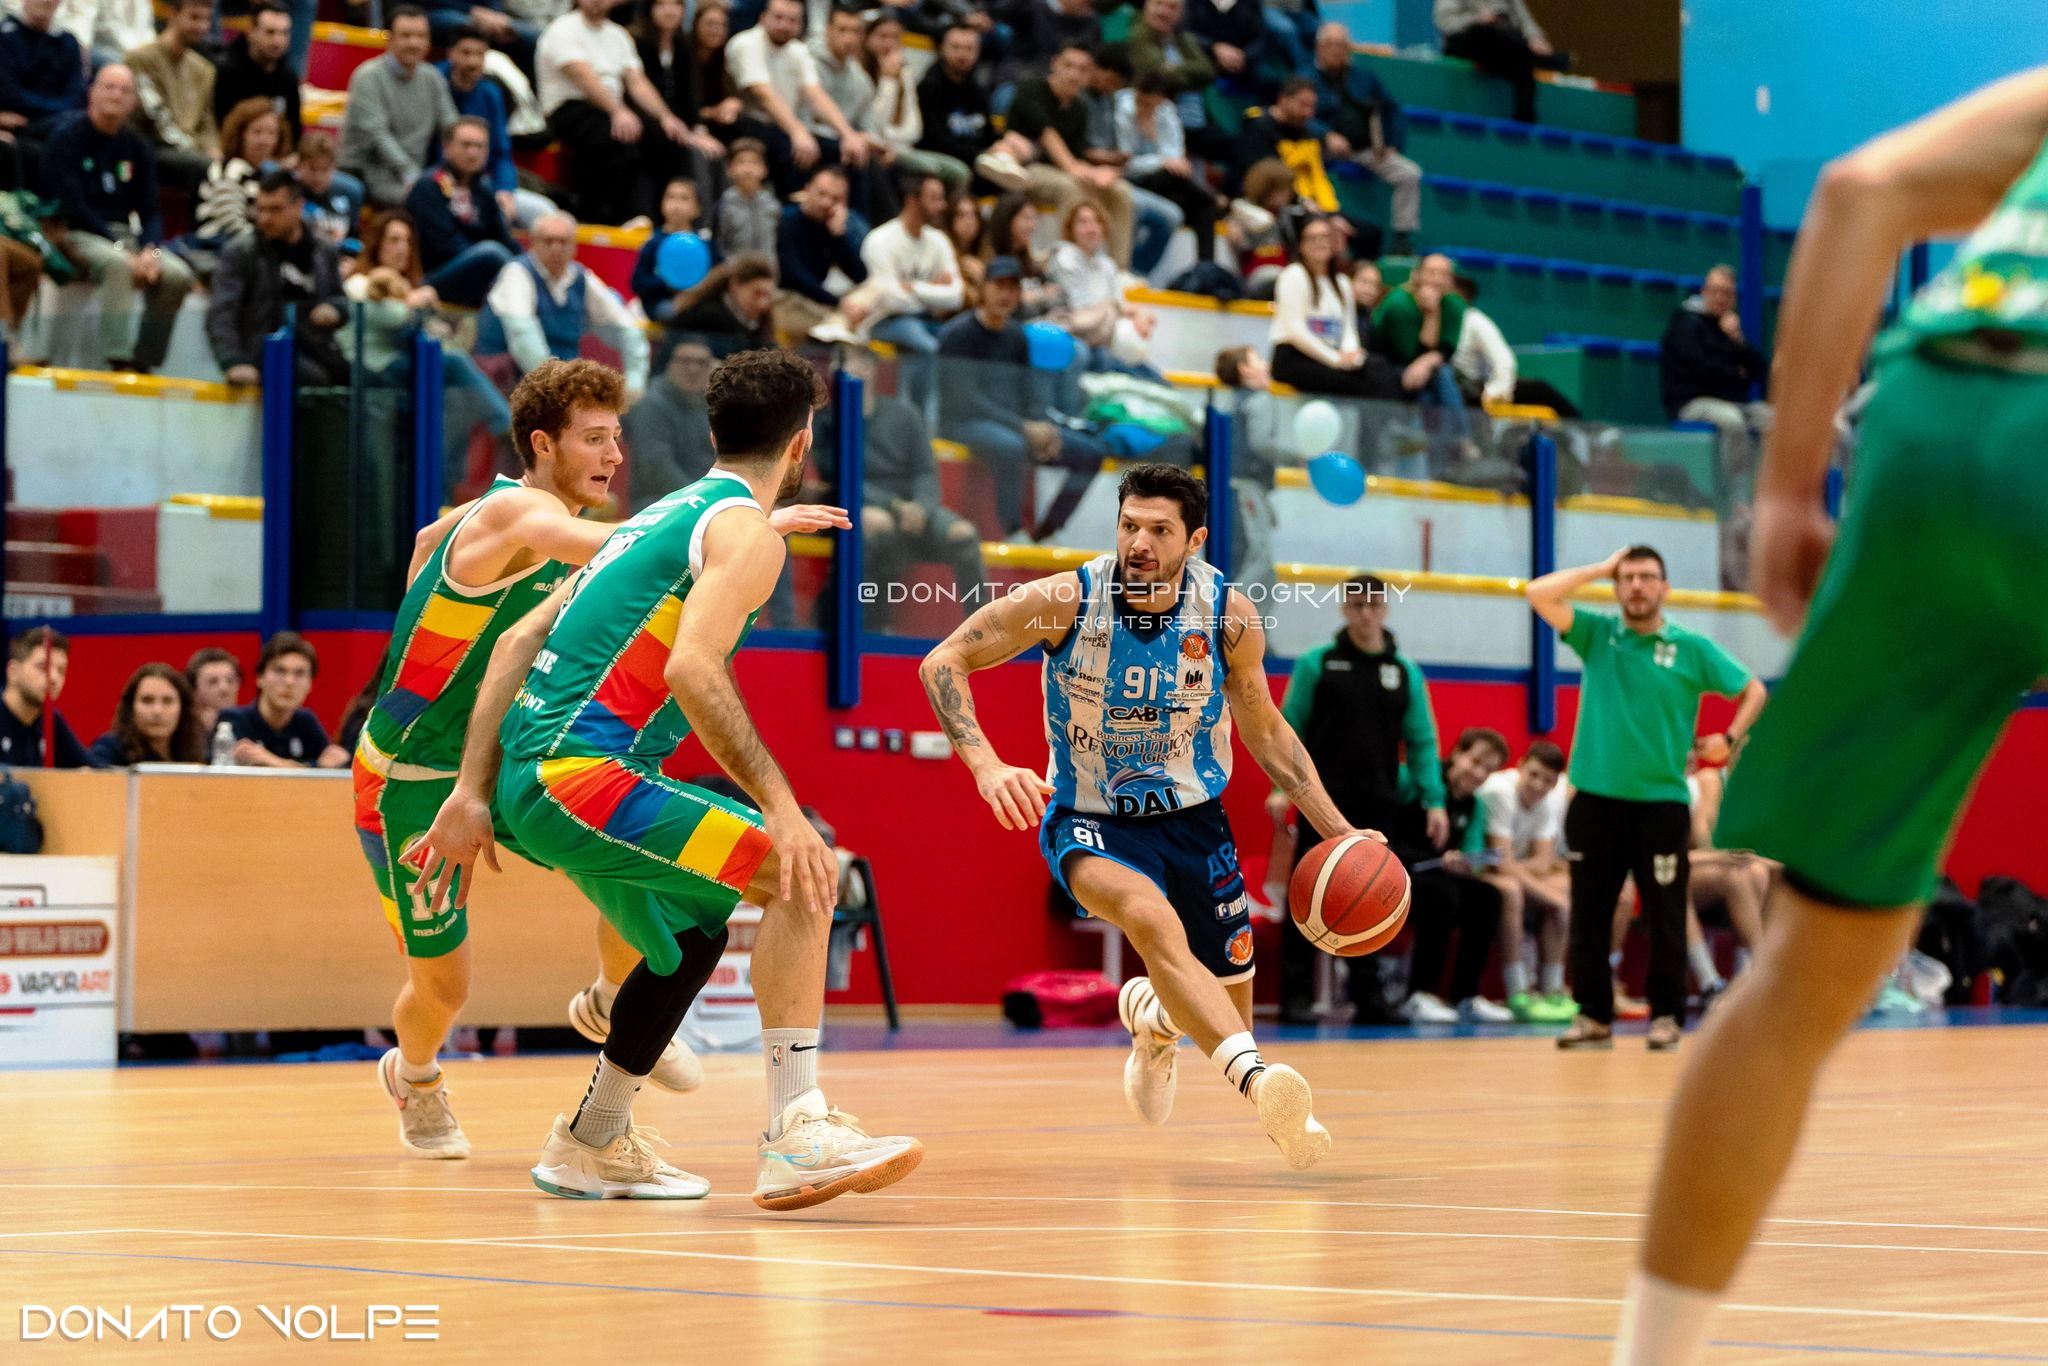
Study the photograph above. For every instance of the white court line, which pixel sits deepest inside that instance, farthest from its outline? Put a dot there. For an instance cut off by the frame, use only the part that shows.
(1163, 1282)
(68, 1233)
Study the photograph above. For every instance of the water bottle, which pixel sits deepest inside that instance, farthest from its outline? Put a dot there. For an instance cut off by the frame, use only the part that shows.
(224, 745)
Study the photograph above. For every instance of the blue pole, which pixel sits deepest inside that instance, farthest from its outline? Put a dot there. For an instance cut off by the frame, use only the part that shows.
(843, 646)
(1833, 493)
(1919, 269)
(280, 372)
(6, 482)
(1750, 273)
(1542, 560)
(428, 478)
(1219, 431)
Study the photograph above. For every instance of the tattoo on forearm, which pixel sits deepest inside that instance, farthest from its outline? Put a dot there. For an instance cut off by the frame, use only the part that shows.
(955, 710)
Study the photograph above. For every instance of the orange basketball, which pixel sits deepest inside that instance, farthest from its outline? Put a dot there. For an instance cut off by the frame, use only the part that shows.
(1349, 896)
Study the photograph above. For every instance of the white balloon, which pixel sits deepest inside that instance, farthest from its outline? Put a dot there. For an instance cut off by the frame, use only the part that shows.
(1317, 425)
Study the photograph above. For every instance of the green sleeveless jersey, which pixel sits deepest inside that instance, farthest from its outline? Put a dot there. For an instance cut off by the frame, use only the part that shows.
(1999, 278)
(440, 646)
(596, 689)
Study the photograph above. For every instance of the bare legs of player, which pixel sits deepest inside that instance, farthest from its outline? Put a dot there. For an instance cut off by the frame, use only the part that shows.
(789, 963)
(1198, 1003)
(1740, 1106)
(434, 993)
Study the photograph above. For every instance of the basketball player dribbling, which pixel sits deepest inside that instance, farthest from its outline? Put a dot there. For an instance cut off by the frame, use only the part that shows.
(475, 573)
(1149, 656)
(582, 703)
(1922, 629)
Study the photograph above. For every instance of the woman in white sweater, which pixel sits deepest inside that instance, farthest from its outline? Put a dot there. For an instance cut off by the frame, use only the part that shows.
(1315, 326)
(1117, 333)
(893, 118)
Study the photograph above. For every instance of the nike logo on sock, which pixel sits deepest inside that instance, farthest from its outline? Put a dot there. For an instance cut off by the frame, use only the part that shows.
(803, 1048)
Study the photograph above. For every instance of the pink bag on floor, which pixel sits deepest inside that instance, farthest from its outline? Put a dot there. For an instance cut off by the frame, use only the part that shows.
(1059, 999)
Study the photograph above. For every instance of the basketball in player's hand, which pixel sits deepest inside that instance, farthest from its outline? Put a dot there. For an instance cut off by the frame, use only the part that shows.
(1349, 895)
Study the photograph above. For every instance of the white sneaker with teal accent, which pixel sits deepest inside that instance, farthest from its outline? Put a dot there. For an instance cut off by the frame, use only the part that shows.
(823, 1153)
(678, 1069)
(426, 1126)
(623, 1169)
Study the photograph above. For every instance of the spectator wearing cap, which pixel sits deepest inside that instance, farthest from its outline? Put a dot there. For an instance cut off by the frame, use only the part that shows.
(38, 660)
(276, 730)
(464, 241)
(546, 302)
(174, 84)
(477, 96)
(398, 108)
(590, 82)
(785, 101)
(1362, 123)
(42, 72)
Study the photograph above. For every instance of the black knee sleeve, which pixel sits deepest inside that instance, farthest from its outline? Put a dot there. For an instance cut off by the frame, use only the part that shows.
(650, 1007)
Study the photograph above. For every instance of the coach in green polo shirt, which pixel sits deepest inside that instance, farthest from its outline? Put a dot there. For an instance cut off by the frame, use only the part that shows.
(1639, 702)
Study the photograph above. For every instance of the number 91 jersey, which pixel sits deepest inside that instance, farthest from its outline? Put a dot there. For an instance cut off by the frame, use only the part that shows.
(1135, 718)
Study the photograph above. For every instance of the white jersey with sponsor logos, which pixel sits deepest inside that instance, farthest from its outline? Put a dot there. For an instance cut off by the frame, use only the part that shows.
(1135, 718)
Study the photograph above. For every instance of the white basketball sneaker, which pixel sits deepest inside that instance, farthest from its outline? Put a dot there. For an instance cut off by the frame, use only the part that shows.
(623, 1169)
(1285, 1111)
(1151, 1069)
(426, 1126)
(678, 1069)
(823, 1153)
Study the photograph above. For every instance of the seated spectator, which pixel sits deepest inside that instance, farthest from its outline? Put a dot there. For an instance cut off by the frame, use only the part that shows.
(255, 66)
(893, 121)
(1362, 123)
(668, 432)
(463, 240)
(1485, 364)
(1148, 132)
(719, 106)
(1729, 885)
(590, 81)
(1417, 327)
(966, 230)
(1503, 40)
(477, 96)
(732, 310)
(281, 265)
(842, 75)
(1048, 139)
(1040, 29)
(951, 102)
(102, 178)
(1154, 218)
(986, 404)
(1287, 131)
(749, 214)
(1264, 226)
(1710, 371)
(1234, 33)
(913, 284)
(817, 235)
(1291, 28)
(903, 514)
(1315, 326)
(1264, 431)
(1118, 334)
(253, 137)
(1456, 898)
(154, 723)
(42, 72)
(276, 730)
(216, 678)
(398, 108)
(1012, 225)
(546, 302)
(1524, 826)
(333, 200)
(674, 71)
(105, 29)
(1368, 287)
(489, 21)
(37, 661)
(778, 77)
(174, 83)
(1158, 45)
(679, 213)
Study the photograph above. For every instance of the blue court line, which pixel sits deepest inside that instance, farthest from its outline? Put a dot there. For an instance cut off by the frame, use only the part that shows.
(1913, 1353)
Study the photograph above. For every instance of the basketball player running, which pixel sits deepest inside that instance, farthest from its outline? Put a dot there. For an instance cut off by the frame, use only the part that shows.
(1871, 742)
(476, 572)
(629, 657)
(1149, 656)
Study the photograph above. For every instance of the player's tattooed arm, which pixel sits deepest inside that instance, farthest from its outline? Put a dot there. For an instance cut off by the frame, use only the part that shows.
(1267, 735)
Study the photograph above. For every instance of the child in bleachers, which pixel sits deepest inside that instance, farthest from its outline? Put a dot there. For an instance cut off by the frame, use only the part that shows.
(748, 211)
(680, 211)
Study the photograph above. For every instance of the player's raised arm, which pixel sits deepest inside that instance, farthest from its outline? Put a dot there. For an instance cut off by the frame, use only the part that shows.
(1039, 613)
(742, 558)
(1267, 735)
(535, 520)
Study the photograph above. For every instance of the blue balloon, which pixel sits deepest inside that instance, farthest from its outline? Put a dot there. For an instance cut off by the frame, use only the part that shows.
(1337, 477)
(682, 260)
(1052, 348)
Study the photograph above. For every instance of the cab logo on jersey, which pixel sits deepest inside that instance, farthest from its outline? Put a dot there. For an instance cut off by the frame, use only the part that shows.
(1195, 645)
(1240, 947)
(1131, 718)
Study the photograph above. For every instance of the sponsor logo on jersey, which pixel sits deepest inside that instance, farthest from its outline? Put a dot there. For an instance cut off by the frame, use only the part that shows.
(1390, 677)
(1664, 867)
(545, 661)
(1080, 739)
(1222, 870)
(1131, 718)
(1149, 804)
(1195, 645)
(1230, 910)
(1240, 948)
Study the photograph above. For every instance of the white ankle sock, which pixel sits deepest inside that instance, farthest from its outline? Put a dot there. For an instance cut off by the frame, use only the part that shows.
(1551, 978)
(1703, 969)
(607, 1109)
(792, 1058)
(602, 993)
(1662, 1324)
(419, 1074)
(1515, 978)
(1239, 1058)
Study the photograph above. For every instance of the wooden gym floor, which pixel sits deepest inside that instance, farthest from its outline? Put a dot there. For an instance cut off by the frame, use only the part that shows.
(1479, 1207)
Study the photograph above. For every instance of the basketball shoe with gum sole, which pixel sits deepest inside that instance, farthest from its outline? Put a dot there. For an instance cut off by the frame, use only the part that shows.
(824, 1153)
